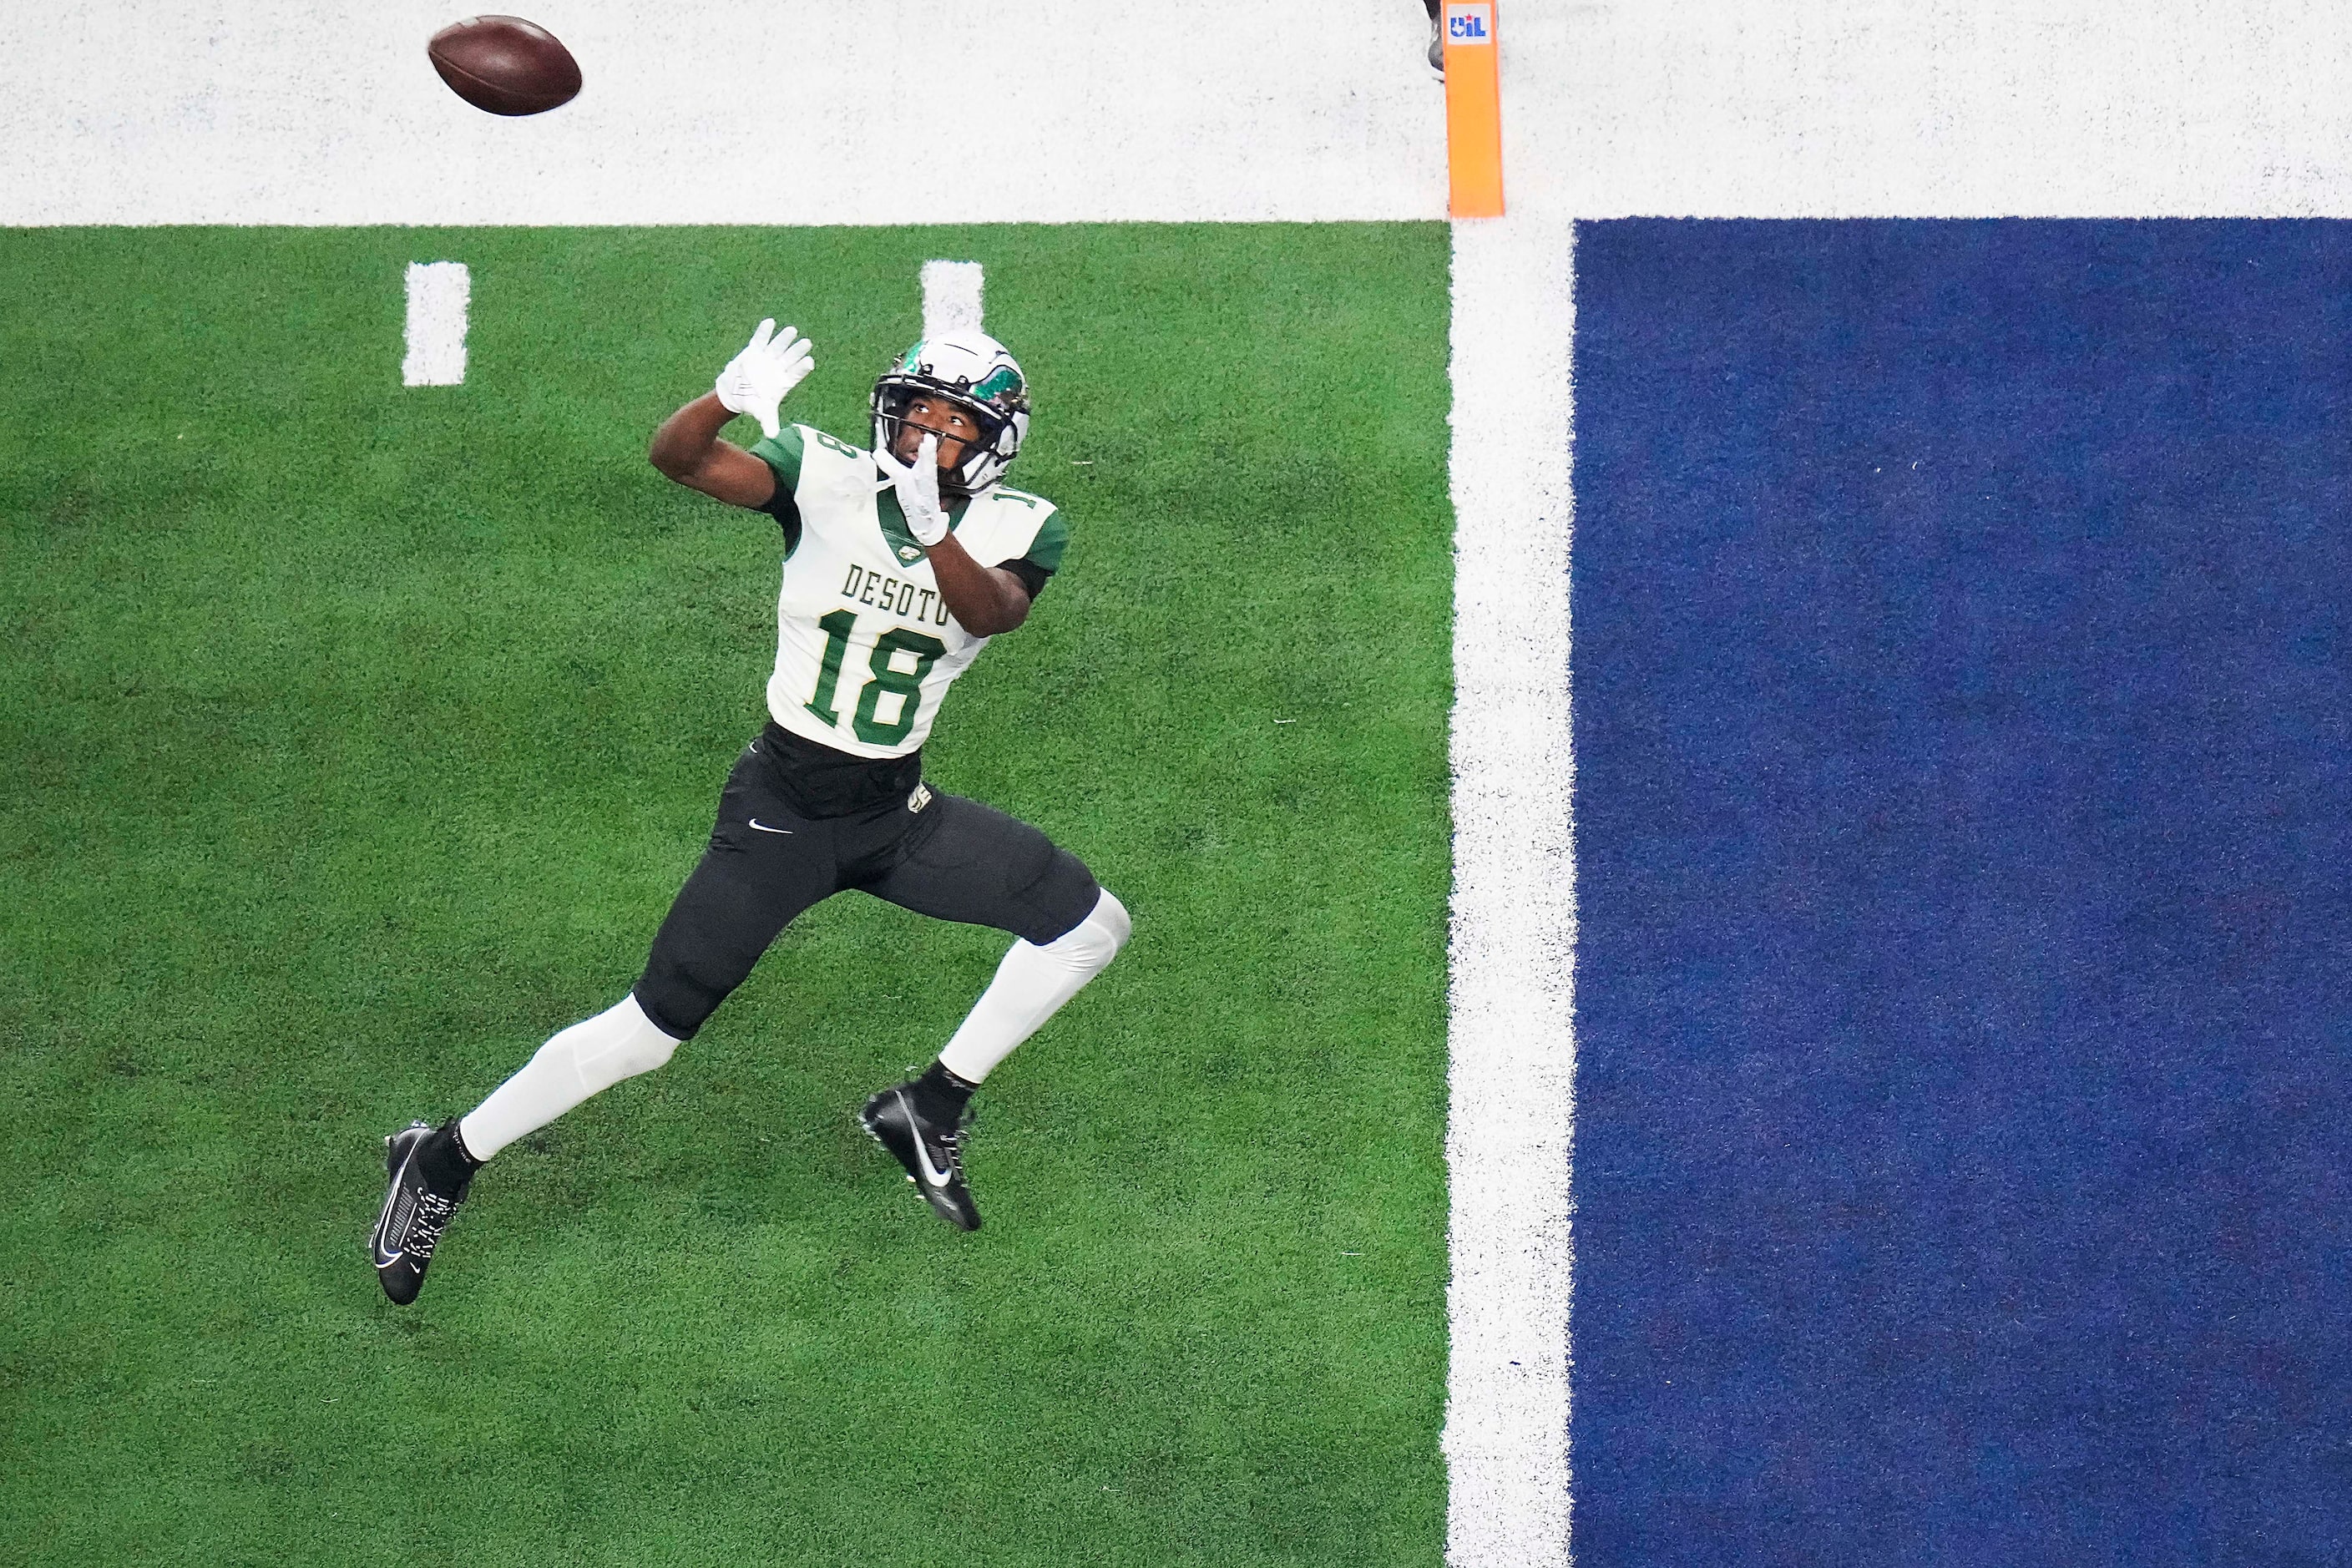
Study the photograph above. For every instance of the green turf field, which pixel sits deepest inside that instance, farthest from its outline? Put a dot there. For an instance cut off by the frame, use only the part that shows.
(356, 739)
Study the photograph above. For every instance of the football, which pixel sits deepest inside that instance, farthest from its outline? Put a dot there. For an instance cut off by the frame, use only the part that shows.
(504, 65)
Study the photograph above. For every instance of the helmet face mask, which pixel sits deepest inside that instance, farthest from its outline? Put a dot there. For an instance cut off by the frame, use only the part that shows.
(892, 401)
(972, 371)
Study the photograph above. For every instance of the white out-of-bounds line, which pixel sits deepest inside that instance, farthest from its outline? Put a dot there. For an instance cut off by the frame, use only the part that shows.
(438, 293)
(1512, 945)
(950, 297)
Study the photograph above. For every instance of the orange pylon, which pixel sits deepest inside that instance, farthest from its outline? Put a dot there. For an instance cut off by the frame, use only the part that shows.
(1474, 110)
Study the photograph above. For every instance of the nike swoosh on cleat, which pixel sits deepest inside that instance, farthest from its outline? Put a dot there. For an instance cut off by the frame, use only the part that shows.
(765, 828)
(385, 1221)
(932, 1175)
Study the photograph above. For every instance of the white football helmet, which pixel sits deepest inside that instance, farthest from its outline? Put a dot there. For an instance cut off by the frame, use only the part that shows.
(972, 371)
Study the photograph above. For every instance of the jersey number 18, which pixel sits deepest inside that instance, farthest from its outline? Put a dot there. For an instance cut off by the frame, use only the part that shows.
(906, 683)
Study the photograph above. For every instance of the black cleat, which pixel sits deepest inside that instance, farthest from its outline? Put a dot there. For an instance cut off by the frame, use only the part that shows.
(932, 1155)
(414, 1214)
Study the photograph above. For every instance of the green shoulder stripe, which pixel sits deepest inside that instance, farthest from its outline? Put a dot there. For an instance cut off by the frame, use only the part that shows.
(1053, 538)
(781, 452)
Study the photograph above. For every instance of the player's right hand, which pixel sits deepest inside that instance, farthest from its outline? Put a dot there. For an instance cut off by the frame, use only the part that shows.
(770, 366)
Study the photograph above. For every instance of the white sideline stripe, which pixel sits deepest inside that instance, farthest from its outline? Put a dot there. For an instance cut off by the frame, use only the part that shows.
(1512, 943)
(720, 112)
(127, 111)
(950, 296)
(438, 293)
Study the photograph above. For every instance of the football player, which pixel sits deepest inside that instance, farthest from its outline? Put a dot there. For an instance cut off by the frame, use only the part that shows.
(899, 564)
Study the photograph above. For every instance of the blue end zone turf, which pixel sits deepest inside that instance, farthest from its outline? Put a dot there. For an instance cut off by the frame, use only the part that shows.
(1964, 731)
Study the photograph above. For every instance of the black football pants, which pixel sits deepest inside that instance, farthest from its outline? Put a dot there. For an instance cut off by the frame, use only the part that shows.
(938, 854)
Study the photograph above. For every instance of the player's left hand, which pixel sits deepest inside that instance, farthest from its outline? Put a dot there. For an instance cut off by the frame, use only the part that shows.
(918, 484)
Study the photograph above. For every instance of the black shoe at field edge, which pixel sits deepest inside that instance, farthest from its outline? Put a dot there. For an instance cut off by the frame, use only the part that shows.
(932, 1155)
(414, 1214)
(1436, 47)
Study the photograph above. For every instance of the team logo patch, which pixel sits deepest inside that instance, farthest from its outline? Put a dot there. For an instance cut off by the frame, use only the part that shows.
(921, 798)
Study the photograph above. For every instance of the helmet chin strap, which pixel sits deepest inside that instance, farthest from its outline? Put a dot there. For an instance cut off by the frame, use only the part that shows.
(954, 482)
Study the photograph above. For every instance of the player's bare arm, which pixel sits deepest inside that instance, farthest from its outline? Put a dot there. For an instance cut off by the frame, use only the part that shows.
(688, 449)
(986, 600)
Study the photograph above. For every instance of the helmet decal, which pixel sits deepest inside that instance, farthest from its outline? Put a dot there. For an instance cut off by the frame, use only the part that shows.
(1004, 378)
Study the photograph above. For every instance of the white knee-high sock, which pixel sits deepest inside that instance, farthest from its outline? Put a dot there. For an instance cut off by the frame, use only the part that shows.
(591, 1056)
(1031, 986)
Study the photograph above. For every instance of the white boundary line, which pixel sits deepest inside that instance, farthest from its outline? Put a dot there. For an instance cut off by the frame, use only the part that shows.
(1512, 945)
(713, 111)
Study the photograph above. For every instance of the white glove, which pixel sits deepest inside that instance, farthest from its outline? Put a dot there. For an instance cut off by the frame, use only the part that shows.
(771, 365)
(918, 485)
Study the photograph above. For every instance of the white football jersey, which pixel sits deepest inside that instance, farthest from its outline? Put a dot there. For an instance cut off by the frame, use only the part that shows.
(866, 648)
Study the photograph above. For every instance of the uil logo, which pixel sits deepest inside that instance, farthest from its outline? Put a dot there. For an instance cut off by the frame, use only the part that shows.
(1467, 24)
(921, 798)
